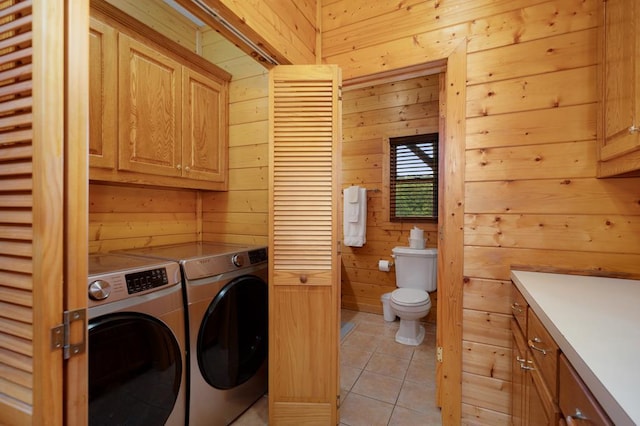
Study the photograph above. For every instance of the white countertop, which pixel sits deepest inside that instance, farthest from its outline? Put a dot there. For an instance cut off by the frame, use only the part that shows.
(596, 323)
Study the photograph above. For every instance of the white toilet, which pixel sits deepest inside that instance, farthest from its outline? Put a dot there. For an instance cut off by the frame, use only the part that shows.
(415, 277)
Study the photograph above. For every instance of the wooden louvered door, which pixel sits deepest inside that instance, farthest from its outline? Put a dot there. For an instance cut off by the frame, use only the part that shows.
(43, 211)
(304, 232)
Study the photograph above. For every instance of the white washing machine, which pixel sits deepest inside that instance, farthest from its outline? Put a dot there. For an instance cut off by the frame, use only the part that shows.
(227, 318)
(137, 345)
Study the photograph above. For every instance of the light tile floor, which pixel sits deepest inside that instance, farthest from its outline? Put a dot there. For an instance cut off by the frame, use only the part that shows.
(382, 382)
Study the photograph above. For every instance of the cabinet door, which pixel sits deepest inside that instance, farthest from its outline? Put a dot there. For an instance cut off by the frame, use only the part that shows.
(576, 401)
(536, 413)
(519, 367)
(540, 406)
(304, 232)
(544, 351)
(150, 94)
(204, 134)
(621, 81)
(103, 121)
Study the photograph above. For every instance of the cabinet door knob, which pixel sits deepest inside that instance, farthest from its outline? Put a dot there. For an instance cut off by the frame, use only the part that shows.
(303, 279)
(187, 169)
(634, 129)
(178, 166)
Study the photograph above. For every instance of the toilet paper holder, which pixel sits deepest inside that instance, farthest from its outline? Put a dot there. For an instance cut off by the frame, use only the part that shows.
(385, 265)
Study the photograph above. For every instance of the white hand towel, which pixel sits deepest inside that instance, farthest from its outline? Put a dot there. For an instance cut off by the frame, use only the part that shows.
(355, 230)
(351, 194)
(351, 205)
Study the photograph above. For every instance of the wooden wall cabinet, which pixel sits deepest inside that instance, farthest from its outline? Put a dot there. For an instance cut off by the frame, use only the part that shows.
(545, 389)
(619, 151)
(103, 101)
(149, 103)
(158, 112)
(204, 127)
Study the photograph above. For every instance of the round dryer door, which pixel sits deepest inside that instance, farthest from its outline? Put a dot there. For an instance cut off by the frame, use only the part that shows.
(135, 370)
(232, 342)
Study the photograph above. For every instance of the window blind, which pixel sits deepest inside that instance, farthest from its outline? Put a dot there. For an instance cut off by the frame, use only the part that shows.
(414, 177)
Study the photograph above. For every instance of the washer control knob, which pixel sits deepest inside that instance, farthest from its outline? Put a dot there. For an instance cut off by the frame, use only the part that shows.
(99, 290)
(237, 260)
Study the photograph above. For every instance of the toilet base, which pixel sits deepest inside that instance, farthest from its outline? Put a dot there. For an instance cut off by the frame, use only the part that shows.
(410, 332)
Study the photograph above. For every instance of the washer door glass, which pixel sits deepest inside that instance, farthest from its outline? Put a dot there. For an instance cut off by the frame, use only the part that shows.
(232, 342)
(135, 370)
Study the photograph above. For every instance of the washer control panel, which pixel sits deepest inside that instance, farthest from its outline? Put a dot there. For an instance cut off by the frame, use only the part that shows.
(146, 280)
(258, 256)
(117, 277)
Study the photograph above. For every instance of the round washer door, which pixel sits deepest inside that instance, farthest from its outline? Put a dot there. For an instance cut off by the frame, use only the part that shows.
(232, 342)
(135, 370)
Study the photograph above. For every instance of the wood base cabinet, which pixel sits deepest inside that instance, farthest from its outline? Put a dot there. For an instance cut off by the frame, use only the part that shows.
(531, 401)
(545, 389)
(158, 112)
(620, 121)
(577, 404)
(519, 366)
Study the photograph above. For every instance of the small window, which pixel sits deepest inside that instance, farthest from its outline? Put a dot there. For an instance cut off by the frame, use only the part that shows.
(413, 178)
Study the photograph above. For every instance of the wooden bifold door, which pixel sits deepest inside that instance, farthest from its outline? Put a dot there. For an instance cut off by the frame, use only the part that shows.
(304, 237)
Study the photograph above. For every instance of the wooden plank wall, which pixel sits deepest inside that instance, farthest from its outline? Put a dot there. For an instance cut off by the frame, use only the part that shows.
(162, 18)
(369, 115)
(531, 194)
(289, 26)
(122, 217)
(240, 215)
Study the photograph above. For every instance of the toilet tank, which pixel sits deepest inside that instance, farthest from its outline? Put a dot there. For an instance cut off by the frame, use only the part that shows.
(416, 268)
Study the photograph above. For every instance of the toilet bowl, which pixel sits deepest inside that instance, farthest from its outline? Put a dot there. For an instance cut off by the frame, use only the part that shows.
(410, 305)
(415, 277)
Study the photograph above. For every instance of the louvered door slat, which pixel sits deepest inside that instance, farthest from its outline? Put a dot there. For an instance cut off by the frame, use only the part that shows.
(17, 56)
(13, 137)
(23, 7)
(17, 71)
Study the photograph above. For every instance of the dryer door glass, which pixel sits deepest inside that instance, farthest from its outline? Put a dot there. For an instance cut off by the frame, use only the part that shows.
(232, 342)
(134, 370)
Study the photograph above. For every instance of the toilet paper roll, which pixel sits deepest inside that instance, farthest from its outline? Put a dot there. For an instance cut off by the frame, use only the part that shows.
(384, 265)
(416, 233)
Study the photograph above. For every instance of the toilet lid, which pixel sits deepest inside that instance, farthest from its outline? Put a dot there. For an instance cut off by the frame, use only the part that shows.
(410, 296)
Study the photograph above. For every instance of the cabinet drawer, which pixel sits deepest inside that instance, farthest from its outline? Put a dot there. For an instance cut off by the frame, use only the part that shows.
(519, 308)
(575, 399)
(545, 352)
